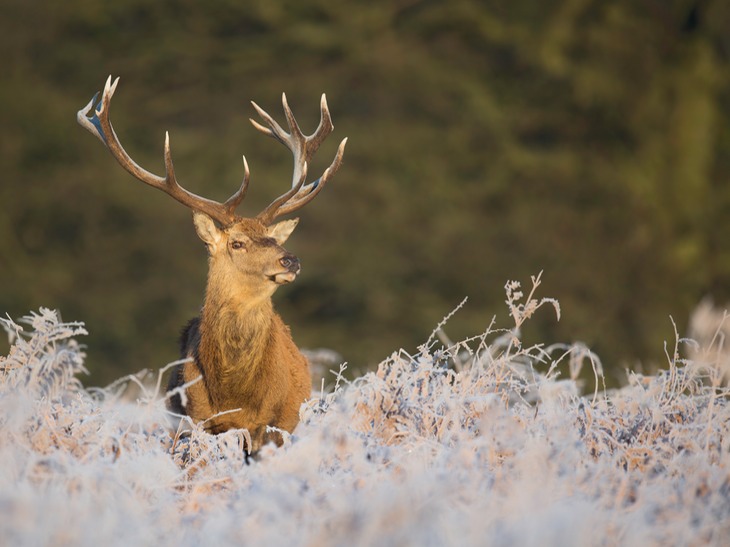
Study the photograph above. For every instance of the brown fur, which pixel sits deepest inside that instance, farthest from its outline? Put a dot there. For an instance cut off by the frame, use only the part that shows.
(239, 344)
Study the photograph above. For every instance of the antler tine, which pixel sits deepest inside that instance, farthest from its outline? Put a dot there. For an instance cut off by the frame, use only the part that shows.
(295, 141)
(296, 132)
(303, 149)
(325, 126)
(274, 130)
(99, 125)
(310, 191)
(236, 199)
(272, 211)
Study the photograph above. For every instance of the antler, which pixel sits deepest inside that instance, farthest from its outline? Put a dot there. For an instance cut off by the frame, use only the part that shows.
(99, 125)
(303, 148)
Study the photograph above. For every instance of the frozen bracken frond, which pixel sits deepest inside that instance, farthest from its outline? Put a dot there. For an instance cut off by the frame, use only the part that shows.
(482, 441)
(44, 362)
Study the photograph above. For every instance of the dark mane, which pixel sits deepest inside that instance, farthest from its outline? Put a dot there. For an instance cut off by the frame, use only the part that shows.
(188, 343)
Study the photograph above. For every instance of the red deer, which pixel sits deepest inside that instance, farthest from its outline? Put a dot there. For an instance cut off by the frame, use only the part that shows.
(253, 374)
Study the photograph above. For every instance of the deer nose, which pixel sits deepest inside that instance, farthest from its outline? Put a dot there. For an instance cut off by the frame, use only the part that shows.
(290, 262)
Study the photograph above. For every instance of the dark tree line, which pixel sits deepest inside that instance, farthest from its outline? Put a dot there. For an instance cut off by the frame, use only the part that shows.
(488, 141)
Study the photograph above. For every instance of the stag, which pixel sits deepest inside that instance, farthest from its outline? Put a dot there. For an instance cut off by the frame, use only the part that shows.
(250, 373)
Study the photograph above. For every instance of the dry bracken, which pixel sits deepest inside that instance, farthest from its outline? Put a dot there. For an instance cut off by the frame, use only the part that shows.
(505, 451)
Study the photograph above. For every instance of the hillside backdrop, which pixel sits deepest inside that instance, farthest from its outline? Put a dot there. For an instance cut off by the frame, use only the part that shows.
(487, 141)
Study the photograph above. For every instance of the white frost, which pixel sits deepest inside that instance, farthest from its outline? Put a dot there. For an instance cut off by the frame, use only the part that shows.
(503, 452)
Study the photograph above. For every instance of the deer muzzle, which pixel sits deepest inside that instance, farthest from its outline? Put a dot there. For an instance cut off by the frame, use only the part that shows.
(291, 266)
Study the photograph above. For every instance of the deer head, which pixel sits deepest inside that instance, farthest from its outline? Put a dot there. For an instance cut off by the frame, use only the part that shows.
(247, 252)
(247, 257)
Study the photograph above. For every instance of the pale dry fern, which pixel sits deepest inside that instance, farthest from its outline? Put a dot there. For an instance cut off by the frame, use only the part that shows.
(45, 361)
(482, 441)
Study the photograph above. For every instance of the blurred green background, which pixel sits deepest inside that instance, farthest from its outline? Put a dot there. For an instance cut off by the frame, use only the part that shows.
(488, 141)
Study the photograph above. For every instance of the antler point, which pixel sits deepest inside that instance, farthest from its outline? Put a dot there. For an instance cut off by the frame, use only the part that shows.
(287, 110)
(168, 155)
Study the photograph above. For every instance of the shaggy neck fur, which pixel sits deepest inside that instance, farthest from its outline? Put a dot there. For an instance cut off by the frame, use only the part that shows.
(235, 334)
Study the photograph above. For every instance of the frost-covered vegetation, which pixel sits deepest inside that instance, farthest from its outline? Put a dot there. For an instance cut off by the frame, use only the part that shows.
(485, 442)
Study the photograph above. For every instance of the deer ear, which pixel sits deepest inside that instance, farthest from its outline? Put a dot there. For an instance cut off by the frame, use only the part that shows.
(282, 230)
(207, 230)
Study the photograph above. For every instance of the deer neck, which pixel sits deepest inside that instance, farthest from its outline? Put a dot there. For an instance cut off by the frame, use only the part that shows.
(235, 333)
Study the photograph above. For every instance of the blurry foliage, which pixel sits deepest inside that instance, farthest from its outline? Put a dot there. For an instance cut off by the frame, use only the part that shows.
(488, 141)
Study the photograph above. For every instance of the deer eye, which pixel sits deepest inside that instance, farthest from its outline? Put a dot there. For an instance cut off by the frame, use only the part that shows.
(238, 245)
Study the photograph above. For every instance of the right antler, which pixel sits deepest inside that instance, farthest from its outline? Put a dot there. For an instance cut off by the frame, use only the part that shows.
(303, 148)
(100, 126)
